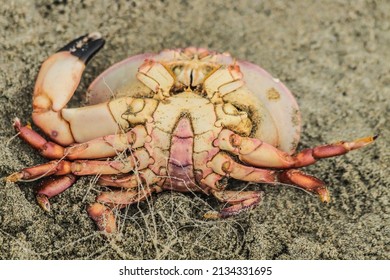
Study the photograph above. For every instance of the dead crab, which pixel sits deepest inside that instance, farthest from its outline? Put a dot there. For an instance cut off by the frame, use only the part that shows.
(183, 120)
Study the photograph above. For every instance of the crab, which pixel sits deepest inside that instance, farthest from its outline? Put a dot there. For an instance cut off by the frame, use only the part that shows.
(184, 120)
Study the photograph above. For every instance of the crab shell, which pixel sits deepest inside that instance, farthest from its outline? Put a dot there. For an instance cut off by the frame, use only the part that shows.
(269, 103)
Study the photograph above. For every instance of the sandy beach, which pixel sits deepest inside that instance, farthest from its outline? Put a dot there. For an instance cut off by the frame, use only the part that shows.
(333, 55)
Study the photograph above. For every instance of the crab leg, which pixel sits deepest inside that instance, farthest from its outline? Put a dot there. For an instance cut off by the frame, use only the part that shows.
(51, 187)
(155, 76)
(103, 217)
(139, 159)
(42, 170)
(106, 146)
(222, 164)
(127, 181)
(102, 210)
(258, 153)
(46, 148)
(57, 80)
(143, 177)
(121, 198)
(239, 201)
(224, 80)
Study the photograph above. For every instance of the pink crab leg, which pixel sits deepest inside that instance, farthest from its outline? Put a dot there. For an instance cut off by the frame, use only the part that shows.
(108, 146)
(46, 148)
(52, 187)
(258, 153)
(127, 181)
(101, 147)
(121, 198)
(57, 80)
(143, 177)
(306, 182)
(103, 217)
(239, 201)
(42, 170)
(139, 159)
(102, 210)
(222, 164)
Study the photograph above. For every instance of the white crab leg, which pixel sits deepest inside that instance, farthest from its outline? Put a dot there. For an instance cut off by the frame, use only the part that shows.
(224, 80)
(105, 146)
(155, 76)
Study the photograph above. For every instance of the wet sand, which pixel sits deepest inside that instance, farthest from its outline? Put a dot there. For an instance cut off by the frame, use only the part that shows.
(334, 56)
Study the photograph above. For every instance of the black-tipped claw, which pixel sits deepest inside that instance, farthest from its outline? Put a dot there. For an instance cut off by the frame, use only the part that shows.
(85, 47)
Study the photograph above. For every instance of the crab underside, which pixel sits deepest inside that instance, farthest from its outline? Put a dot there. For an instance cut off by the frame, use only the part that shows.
(182, 120)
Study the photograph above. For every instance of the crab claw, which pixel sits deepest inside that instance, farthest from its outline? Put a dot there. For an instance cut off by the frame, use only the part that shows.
(57, 80)
(84, 47)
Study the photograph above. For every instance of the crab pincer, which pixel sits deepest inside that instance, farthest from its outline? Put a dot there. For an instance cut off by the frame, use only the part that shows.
(56, 83)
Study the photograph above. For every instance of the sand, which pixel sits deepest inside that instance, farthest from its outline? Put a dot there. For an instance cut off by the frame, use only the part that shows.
(333, 55)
